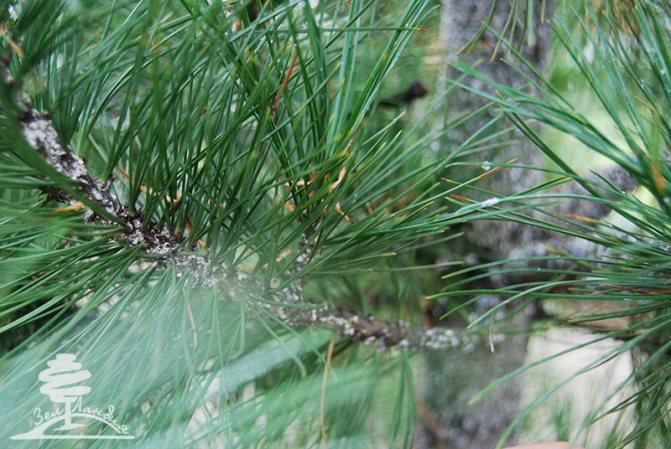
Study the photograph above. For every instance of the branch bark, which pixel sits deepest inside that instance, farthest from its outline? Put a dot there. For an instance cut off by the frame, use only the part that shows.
(38, 131)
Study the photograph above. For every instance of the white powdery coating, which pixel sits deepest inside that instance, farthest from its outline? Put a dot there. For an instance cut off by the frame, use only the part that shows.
(281, 313)
(197, 267)
(40, 134)
(135, 237)
(292, 296)
(302, 258)
(437, 338)
(342, 323)
(294, 292)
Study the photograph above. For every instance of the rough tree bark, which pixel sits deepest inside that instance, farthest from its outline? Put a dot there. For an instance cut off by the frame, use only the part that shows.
(451, 379)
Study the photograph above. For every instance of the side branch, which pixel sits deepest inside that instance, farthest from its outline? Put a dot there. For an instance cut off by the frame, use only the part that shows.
(39, 133)
(367, 329)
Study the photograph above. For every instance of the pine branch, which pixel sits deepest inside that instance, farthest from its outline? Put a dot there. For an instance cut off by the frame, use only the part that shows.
(367, 329)
(39, 133)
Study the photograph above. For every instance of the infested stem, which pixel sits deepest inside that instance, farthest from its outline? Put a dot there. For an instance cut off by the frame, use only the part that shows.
(367, 329)
(40, 134)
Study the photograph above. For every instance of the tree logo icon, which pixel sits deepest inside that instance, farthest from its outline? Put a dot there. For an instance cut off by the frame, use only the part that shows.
(60, 384)
(63, 382)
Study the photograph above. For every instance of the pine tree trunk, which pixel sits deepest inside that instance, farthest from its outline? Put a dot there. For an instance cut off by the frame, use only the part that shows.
(450, 379)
